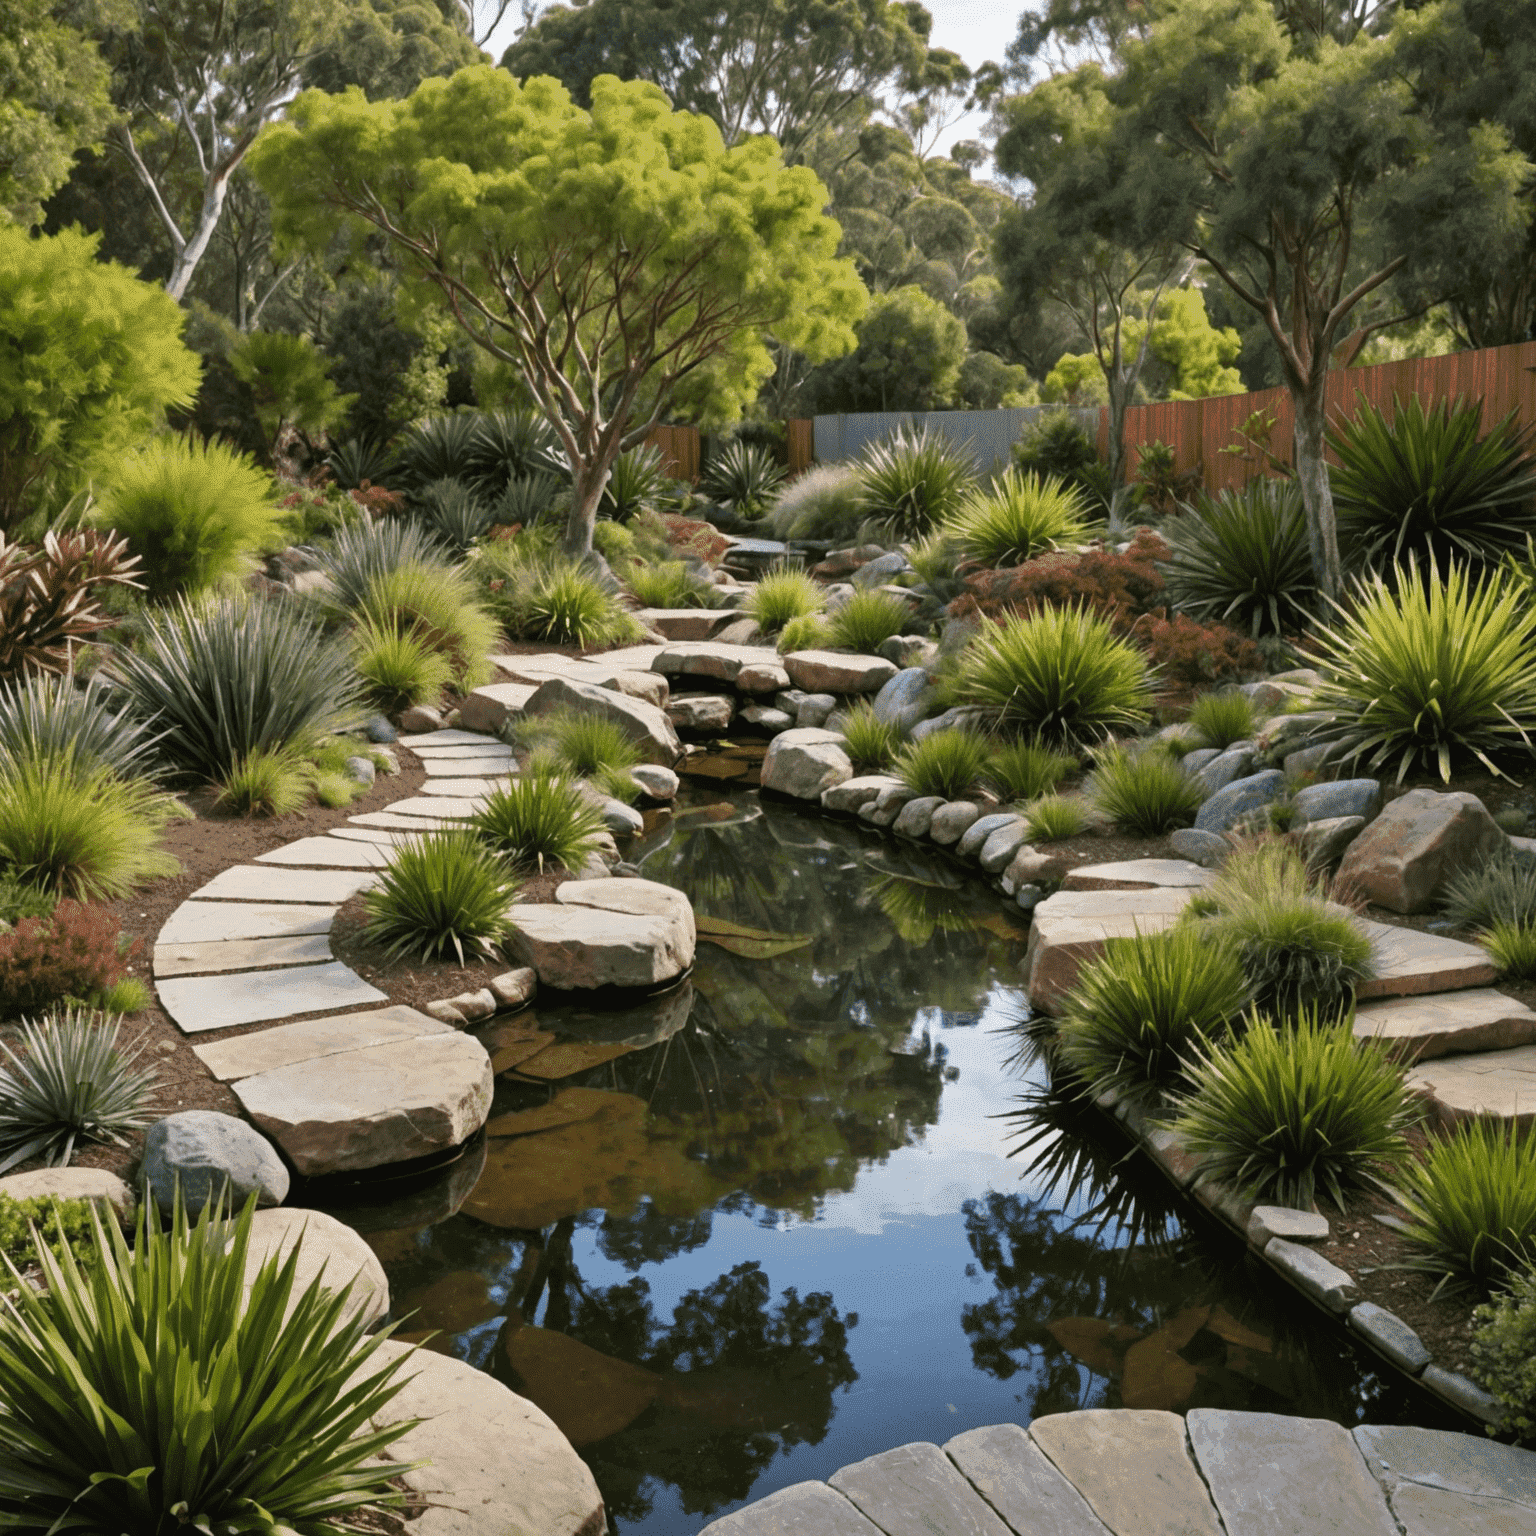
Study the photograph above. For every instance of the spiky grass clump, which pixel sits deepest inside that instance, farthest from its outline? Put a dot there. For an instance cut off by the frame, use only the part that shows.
(274, 782)
(1471, 1203)
(545, 597)
(1500, 890)
(809, 632)
(1060, 675)
(438, 607)
(1053, 818)
(1140, 1009)
(71, 1083)
(1222, 718)
(1147, 793)
(1020, 517)
(360, 553)
(1026, 770)
(783, 594)
(869, 741)
(44, 716)
(667, 584)
(1286, 1112)
(585, 744)
(944, 763)
(540, 822)
(399, 667)
(438, 894)
(1512, 947)
(867, 619)
(913, 482)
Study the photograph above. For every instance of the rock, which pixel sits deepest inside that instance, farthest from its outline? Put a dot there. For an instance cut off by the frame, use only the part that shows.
(1323, 1281)
(378, 729)
(1240, 798)
(1001, 845)
(446, 1013)
(852, 795)
(916, 816)
(844, 562)
(950, 821)
(883, 810)
(1286, 733)
(514, 988)
(489, 708)
(1311, 759)
(360, 770)
(205, 1151)
(1193, 762)
(622, 820)
(803, 763)
(762, 677)
(1447, 1024)
(975, 836)
(476, 1005)
(916, 1488)
(1391, 1335)
(606, 933)
(1412, 1463)
(73, 1184)
(876, 572)
(1237, 762)
(765, 719)
(902, 701)
(1269, 1221)
(1070, 929)
(711, 658)
(685, 623)
(743, 631)
(1409, 963)
(802, 1507)
(1271, 694)
(1135, 874)
(1322, 843)
(648, 687)
(1404, 858)
(1208, 849)
(418, 718)
(1029, 897)
(1341, 797)
(658, 783)
(1463, 1392)
(386, 761)
(328, 1251)
(834, 672)
(645, 725)
(707, 712)
(962, 717)
(907, 651)
(1033, 866)
(812, 710)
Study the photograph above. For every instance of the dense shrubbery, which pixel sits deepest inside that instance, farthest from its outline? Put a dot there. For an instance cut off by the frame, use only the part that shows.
(73, 952)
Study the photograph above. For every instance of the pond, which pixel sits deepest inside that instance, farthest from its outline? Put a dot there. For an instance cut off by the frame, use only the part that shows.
(774, 1222)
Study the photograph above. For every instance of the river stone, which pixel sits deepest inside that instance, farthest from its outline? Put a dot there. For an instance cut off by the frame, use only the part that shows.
(1341, 797)
(1131, 1466)
(1236, 762)
(496, 1465)
(883, 810)
(620, 819)
(767, 719)
(812, 710)
(1322, 843)
(1267, 1221)
(377, 1105)
(762, 677)
(1420, 841)
(962, 717)
(1240, 798)
(645, 725)
(802, 1509)
(950, 822)
(416, 719)
(360, 770)
(804, 763)
(1391, 1335)
(1070, 928)
(1285, 733)
(659, 783)
(329, 1251)
(876, 572)
(916, 816)
(1039, 866)
(1001, 845)
(1019, 1481)
(835, 672)
(204, 1151)
(853, 794)
(490, 707)
(974, 838)
(72, 1184)
(378, 729)
(1193, 762)
(901, 702)
(914, 1490)
(907, 650)
(1322, 1281)
(709, 712)
(1271, 1474)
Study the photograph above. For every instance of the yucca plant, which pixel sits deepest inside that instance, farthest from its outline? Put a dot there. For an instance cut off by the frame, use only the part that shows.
(1430, 674)
(456, 513)
(1140, 1008)
(867, 619)
(1471, 1204)
(361, 461)
(668, 584)
(1060, 675)
(1222, 718)
(235, 677)
(1500, 890)
(526, 499)
(511, 445)
(585, 743)
(1425, 486)
(440, 448)
(944, 763)
(440, 893)
(205, 1391)
(1054, 817)
(43, 716)
(1020, 517)
(72, 1083)
(541, 822)
(1026, 770)
(399, 667)
(782, 594)
(274, 781)
(1243, 559)
(1512, 947)
(869, 741)
(359, 553)
(913, 481)
(1147, 793)
(823, 503)
(743, 477)
(637, 483)
(1288, 1112)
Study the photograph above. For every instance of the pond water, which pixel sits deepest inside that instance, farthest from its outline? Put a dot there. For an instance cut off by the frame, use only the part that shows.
(770, 1224)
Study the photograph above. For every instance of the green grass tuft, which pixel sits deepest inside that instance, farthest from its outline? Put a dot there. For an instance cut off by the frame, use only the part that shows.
(1025, 770)
(440, 894)
(869, 741)
(1222, 718)
(1148, 794)
(867, 619)
(782, 595)
(944, 763)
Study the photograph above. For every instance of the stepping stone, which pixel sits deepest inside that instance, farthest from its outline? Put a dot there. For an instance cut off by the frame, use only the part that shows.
(916, 1490)
(803, 1509)
(252, 882)
(311, 1039)
(473, 789)
(1409, 963)
(197, 922)
(377, 1105)
(835, 672)
(1018, 1480)
(448, 738)
(713, 658)
(1480, 1019)
(687, 623)
(597, 933)
(1070, 928)
(489, 707)
(484, 746)
(1272, 1475)
(199, 1003)
(634, 658)
(441, 807)
(327, 852)
(378, 838)
(1136, 875)
(420, 825)
(239, 954)
(1497, 1085)
(467, 767)
(1437, 1481)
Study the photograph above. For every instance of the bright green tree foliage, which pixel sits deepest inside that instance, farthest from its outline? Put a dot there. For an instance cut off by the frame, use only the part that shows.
(289, 384)
(619, 258)
(908, 359)
(389, 47)
(90, 357)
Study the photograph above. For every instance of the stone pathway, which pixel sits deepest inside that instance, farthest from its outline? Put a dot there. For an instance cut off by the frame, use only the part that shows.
(1136, 1472)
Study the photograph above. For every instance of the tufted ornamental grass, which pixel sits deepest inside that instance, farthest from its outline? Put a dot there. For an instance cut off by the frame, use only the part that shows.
(440, 894)
(539, 822)
(1025, 770)
(870, 742)
(1431, 674)
(668, 584)
(569, 606)
(1142, 1006)
(944, 763)
(438, 607)
(271, 782)
(399, 667)
(1060, 675)
(359, 553)
(1147, 793)
(1054, 817)
(809, 632)
(1222, 718)
(1022, 516)
(1289, 1111)
(866, 620)
(913, 481)
(1501, 891)
(585, 744)
(43, 715)
(1471, 1204)
(783, 594)
(1512, 947)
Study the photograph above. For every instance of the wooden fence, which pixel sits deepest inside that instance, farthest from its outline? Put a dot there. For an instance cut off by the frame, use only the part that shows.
(679, 451)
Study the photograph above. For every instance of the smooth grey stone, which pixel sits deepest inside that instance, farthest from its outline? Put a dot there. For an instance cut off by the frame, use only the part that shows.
(1207, 849)
(875, 573)
(1017, 1479)
(1442, 1459)
(1193, 762)
(803, 1509)
(766, 719)
(813, 709)
(206, 1151)
(916, 816)
(1325, 842)
(998, 850)
(657, 782)
(622, 820)
(883, 810)
(1236, 762)
(1326, 1282)
(1342, 797)
(1269, 1221)
(380, 730)
(360, 769)
(1241, 798)
(790, 699)
(961, 717)
(902, 701)
(950, 821)
(907, 650)
(1029, 897)
(976, 835)
(1391, 1335)
(1310, 759)
(1465, 1394)
(915, 1490)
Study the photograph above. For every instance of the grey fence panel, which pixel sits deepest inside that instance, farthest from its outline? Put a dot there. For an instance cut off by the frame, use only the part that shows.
(988, 436)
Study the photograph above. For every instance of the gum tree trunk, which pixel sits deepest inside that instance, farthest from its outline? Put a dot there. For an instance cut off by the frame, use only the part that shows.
(1312, 476)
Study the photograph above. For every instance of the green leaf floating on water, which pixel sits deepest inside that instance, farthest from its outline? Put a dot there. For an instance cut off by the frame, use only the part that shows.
(751, 943)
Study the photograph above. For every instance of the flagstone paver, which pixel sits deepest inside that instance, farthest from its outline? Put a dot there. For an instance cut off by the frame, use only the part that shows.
(256, 882)
(1409, 963)
(1478, 1019)
(288, 1044)
(199, 1003)
(240, 954)
(448, 737)
(418, 824)
(196, 922)
(472, 789)
(326, 853)
(1135, 874)
(443, 807)
(375, 835)
(467, 768)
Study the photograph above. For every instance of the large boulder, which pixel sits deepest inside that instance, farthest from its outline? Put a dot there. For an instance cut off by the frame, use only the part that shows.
(645, 725)
(903, 700)
(837, 672)
(606, 933)
(1237, 762)
(329, 1251)
(205, 1151)
(486, 709)
(1341, 797)
(710, 712)
(1240, 798)
(1404, 858)
(804, 763)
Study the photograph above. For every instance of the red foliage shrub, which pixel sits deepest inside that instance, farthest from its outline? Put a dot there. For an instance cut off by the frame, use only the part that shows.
(688, 535)
(1120, 587)
(74, 953)
(1191, 653)
(377, 501)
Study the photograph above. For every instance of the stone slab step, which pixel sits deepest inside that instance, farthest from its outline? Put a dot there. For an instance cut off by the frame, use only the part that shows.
(1020, 1482)
(198, 922)
(489, 707)
(633, 658)
(439, 807)
(254, 882)
(915, 1490)
(687, 623)
(804, 1509)
(310, 1039)
(1439, 1481)
(447, 738)
(199, 1003)
(712, 658)
(475, 789)
(326, 853)
(389, 821)
(1496, 1085)
(1409, 963)
(1135, 875)
(375, 835)
(481, 746)
(1478, 1019)
(240, 954)
(482, 767)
